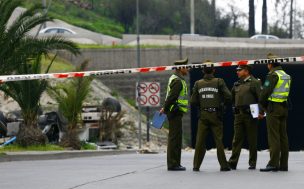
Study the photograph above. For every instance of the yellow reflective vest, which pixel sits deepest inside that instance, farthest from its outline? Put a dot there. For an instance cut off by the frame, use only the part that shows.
(282, 88)
(182, 101)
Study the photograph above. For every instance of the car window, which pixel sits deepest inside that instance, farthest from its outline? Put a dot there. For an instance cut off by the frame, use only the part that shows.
(60, 30)
(271, 37)
(67, 32)
(261, 37)
(51, 31)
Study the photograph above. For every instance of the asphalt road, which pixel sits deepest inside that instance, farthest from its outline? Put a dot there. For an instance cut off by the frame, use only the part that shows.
(146, 171)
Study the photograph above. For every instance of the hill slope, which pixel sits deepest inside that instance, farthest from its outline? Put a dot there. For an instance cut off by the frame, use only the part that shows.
(79, 15)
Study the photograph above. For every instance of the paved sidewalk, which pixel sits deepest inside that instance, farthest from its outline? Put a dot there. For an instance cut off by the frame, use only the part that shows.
(131, 171)
(55, 155)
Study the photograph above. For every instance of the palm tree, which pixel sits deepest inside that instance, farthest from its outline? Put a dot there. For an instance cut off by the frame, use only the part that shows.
(27, 94)
(21, 54)
(70, 97)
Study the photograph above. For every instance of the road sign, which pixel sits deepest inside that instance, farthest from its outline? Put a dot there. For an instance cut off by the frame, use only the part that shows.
(154, 88)
(154, 100)
(148, 94)
(142, 100)
(142, 87)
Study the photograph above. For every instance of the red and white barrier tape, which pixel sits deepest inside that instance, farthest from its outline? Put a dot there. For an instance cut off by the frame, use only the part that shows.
(8, 78)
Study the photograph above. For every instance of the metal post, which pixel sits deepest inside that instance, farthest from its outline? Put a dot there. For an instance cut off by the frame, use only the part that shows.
(148, 124)
(295, 19)
(192, 27)
(138, 65)
(45, 11)
(180, 46)
(291, 20)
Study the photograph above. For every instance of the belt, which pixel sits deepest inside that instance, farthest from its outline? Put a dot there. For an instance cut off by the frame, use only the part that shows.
(210, 109)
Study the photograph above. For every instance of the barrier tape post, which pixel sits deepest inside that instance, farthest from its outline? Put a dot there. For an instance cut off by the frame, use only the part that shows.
(9, 78)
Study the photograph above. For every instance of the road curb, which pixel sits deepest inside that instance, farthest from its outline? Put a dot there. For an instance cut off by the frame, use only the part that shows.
(31, 156)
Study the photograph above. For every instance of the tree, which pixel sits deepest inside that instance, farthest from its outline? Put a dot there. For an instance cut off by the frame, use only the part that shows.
(291, 20)
(264, 18)
(285, 17)
(236, 14)
(21, 54)
(169, 16)
(213, 16)
(278, 31)
(123, 11)
(251, 29)
(298, 24)
(70, 96)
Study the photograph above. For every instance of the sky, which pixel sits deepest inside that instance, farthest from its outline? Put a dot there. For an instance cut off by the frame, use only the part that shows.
(244, 6)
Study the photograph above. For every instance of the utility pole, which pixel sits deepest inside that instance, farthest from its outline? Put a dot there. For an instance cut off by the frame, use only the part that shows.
(213, 6)
(291, 20)
(295, 19)
(45, 11)
(192, 27)
(138, 77)
(264, 18)
(180, 40)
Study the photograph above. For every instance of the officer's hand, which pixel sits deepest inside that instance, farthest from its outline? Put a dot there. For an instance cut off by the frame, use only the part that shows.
(261, 116)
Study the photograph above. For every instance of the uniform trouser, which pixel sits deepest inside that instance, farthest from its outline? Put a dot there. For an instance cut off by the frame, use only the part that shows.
(209, 121)
(244, 126)
(174, 139)
(277, 136)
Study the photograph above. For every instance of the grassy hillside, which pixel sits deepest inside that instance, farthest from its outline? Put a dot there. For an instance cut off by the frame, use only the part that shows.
(73, 14)
(59, 65)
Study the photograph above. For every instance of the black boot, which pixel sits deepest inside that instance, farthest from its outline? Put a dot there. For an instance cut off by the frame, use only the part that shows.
(269, 168)
(251, 167)
(177, 168)
(225, 169)
(196, 169)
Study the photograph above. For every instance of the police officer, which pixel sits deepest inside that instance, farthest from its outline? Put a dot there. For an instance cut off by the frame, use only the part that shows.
(209, 94)
(245, 92)
(274, 99)
(176, 104)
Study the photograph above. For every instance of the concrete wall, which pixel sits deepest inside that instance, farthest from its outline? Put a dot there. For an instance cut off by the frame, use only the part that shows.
(101, 59)
(124, 85)
(129, 38)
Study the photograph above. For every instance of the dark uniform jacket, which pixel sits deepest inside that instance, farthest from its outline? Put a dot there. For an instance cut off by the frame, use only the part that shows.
(176, 87)
(246, 92)
(210, 92)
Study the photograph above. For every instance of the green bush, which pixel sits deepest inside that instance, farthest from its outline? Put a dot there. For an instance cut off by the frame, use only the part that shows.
(18, 148)
(87, 146)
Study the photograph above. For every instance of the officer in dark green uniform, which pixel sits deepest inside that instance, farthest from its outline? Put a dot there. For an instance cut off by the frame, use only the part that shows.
(176, 104)
(245, 92)
(274, 98)
(209, 94)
